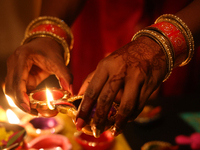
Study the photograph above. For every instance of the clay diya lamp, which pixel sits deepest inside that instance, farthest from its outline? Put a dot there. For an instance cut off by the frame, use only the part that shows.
(103, 142)
(37, 126)
(39, 101)
(51, 141)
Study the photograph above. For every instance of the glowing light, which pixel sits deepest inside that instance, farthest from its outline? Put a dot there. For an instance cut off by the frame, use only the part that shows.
(12, 117)
(38, 131)
(49, 99)
(10, 101)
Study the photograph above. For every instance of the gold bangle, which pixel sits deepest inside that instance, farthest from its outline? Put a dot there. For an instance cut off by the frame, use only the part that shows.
(60, 40)
(185, 31)
(160, 39)
(166, 37)
(51, 20)
(184, 34)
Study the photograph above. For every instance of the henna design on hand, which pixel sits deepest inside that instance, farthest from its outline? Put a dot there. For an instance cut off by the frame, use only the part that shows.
(143, 53)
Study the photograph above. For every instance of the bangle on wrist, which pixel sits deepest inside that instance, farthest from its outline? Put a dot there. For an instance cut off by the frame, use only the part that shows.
(48, 20)
(52, 27)
(60, 40)
(183, 28)
(174, 37)
(164, 44)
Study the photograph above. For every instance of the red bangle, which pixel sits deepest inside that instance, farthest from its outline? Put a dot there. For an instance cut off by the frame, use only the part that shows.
(53, 29)
(176, 38)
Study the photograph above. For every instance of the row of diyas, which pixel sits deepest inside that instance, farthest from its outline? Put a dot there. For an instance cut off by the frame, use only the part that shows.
(39, 127)
(34, 125)
(38, 131)
(12, 135)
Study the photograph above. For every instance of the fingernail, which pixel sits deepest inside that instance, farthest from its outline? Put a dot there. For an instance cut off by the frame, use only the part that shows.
(115, 131)
(26, 107)
(96, 132)
(80, 123)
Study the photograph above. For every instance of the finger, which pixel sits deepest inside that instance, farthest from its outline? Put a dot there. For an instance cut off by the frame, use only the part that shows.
(9, 84)
(65, 79)
(128, 106)
(90, 98)
(61, 71)
(104, 104)
(54, 64)
(20, 78)
(9, 77)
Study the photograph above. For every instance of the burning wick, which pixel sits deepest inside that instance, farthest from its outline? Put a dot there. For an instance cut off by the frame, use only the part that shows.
(49, 100)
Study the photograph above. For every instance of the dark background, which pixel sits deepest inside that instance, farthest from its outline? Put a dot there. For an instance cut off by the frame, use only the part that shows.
(168, 126)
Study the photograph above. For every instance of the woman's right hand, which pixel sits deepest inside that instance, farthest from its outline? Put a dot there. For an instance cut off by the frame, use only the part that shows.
(30, 64)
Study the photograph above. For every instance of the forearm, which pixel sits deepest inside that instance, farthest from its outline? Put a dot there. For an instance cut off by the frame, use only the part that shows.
(191, 16)
(66, 10)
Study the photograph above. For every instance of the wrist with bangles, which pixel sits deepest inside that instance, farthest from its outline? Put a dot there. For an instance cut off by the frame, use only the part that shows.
(175, 39)
(53, 28)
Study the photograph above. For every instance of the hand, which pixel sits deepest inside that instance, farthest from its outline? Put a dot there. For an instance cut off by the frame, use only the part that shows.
(30, 64)
(138, 69)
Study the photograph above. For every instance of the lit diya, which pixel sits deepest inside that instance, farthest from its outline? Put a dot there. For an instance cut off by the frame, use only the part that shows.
(49, 102)
(12, 136)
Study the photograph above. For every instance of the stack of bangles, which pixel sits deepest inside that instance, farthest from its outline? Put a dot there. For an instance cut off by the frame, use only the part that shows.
(54, 28)
(175, 39)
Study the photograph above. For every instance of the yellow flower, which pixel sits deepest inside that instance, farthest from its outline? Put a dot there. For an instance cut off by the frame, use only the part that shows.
(4, 135)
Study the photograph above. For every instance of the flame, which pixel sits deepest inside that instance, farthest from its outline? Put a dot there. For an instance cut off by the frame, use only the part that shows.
(49, 99)
(10, 101)
(12, 117)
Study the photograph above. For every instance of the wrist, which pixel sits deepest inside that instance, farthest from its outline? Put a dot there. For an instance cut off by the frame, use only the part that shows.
(54, 28)
(162, 44)
(174, 37)
(179, 36)
(176, 40)
(49, 46)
